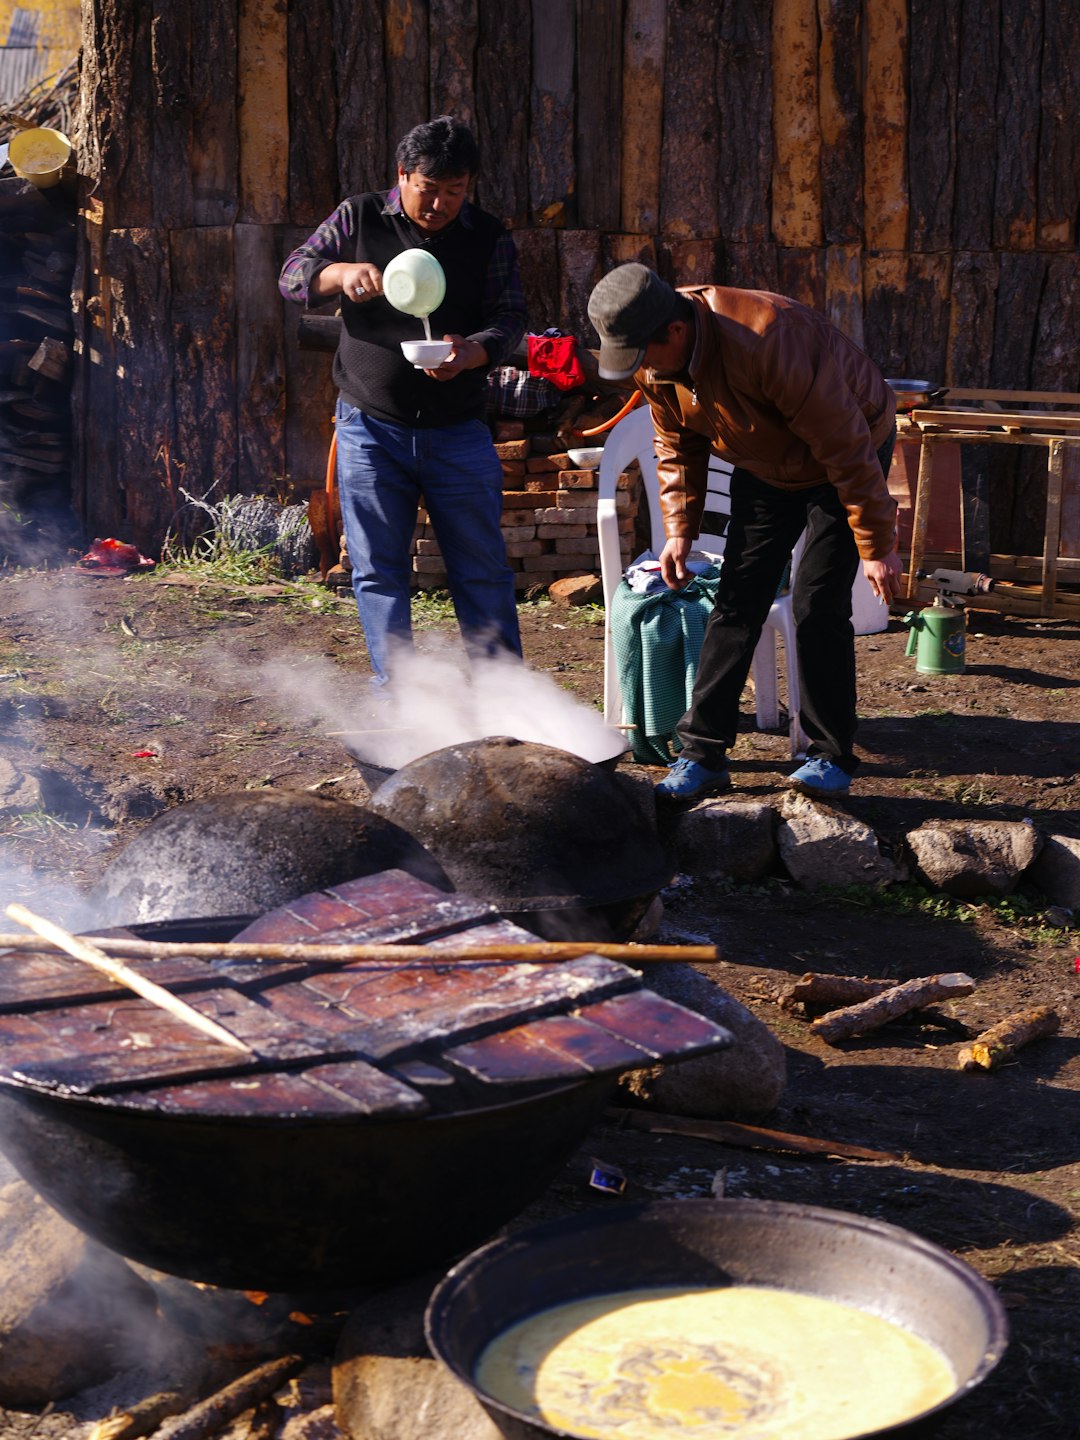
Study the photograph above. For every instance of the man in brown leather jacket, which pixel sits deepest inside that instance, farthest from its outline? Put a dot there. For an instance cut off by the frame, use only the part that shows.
(809, 424)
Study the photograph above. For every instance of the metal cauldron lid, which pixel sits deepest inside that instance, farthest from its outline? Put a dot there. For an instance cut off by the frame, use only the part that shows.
(527, 826)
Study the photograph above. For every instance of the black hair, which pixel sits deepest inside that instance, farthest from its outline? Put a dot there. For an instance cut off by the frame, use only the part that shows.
(683, 309)
(441, 149)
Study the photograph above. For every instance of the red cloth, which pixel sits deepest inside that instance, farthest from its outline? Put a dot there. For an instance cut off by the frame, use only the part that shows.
(555, 358)
(114, 557)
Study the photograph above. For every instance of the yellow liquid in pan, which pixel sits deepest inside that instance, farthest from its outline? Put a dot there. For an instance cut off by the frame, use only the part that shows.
(745, 1362)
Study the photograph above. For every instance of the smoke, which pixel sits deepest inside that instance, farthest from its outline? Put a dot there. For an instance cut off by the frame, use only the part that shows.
(438, 698)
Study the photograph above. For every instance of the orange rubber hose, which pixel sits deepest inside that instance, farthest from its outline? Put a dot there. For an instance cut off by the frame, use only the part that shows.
(608, 424)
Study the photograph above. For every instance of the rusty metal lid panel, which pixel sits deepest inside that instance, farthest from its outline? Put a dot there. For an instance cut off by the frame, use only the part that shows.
(338, 1041)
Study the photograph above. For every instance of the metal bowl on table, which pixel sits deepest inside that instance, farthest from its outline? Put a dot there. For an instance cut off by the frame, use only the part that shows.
(911, 394)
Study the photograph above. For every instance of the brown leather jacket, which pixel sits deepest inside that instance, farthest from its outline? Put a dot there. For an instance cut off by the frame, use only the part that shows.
(773, 387)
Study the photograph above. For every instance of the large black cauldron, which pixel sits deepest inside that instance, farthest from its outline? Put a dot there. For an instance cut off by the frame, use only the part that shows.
(560, 844)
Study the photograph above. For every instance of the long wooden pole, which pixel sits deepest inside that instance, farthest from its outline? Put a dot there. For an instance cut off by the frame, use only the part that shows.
(538, 952)
(79, 949)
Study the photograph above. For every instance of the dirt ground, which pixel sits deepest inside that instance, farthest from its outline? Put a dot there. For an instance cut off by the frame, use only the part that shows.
(126, 696)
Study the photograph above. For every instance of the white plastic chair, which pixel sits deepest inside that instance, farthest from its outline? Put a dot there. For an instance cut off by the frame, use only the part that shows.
(632, 439)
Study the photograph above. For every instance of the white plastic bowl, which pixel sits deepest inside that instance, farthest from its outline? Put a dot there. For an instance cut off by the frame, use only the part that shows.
(426, 354)
(414, 282)
(588, 459)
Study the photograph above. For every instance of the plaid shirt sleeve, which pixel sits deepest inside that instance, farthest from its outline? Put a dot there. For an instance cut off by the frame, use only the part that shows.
(335, 239)
(504, 312)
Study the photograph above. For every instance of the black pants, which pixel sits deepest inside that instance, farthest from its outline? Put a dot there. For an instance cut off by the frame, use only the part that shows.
(765, 524)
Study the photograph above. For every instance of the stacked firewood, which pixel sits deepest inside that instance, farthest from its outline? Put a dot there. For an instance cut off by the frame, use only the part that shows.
(37, 260)
(37, 263)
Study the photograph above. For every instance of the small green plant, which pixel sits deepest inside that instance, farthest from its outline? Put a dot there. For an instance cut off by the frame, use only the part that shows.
(432, 609)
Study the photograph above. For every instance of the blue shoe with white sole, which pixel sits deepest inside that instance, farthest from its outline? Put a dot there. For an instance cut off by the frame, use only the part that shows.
(820, 776)
(688, 781)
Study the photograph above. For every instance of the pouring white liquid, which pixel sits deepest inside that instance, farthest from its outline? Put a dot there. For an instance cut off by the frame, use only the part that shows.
(427, 327)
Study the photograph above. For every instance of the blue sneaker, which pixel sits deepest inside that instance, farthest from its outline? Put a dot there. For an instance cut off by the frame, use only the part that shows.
(820, 776)
(688, 781)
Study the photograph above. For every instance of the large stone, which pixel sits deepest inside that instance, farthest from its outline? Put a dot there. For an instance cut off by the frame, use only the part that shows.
(71, 1312)
(969, 858)
(577, 590)
(1056, 870)
(745, 1081)
(734, 839)
(386, 1384)
(821, 845)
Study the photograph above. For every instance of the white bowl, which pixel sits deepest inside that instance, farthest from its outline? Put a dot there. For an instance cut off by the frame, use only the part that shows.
(588, 459)
(426, 354)
(414, 282)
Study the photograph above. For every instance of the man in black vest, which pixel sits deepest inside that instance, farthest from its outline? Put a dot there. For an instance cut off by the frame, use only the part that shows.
(404, 434)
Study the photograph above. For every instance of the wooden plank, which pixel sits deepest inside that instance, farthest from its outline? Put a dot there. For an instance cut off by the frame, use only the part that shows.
(841, 109)
(579, 270)
(313, 169)
(886, 319)
(1013, 398)
(1056, 362)
(844, 290)
(599, 101)
(696, 262)
(642, 123)
(456, 23)
(1017, 126)
(263, 111)
(657, 1024)
(744, 92)
(503, 62)
(1037, 421)
(972, 312)
(1057, 175)
(118, 109)
(260, 363)
(359, 1090)
(552, 120)
(933, 60)
(405, 82)
(927, 314)
(796, 180)
(801, 274)
(137, 272)
(886, 121)
(921, 511)
(172, 42)
(310, 395)
(976, 120)
(751, 266)
(215, 142)
(975, 508)
(204, 357)
(365, 156)
(691, 156)
(538, 260)
(562, 1047)
(1055, 460)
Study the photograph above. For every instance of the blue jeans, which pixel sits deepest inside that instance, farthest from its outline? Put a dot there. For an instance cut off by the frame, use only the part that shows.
(383, 472)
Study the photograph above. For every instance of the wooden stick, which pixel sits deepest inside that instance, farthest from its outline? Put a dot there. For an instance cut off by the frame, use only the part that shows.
(898, 1000)
(211, 1415)
(538, 952)
(156, 994)
(998, 1044)
(750, 1137)
(830, 992)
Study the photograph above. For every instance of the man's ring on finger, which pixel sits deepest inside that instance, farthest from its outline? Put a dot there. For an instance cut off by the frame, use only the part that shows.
(359, 290)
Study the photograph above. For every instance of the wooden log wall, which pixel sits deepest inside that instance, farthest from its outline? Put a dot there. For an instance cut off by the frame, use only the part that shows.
(908, 166)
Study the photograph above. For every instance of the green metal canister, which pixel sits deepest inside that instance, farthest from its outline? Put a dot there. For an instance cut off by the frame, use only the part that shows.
(936, 639)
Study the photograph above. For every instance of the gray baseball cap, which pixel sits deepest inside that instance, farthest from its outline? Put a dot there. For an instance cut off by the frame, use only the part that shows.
(627, 307)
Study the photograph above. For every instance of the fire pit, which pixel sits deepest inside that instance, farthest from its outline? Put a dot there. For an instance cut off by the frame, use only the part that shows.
(377, 1117)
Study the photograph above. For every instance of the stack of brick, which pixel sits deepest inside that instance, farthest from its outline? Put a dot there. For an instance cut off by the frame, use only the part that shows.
(549, 518)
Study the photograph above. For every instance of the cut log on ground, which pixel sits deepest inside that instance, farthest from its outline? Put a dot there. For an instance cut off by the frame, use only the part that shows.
(1001, 1042)
(890, 1005)
(828, 992)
